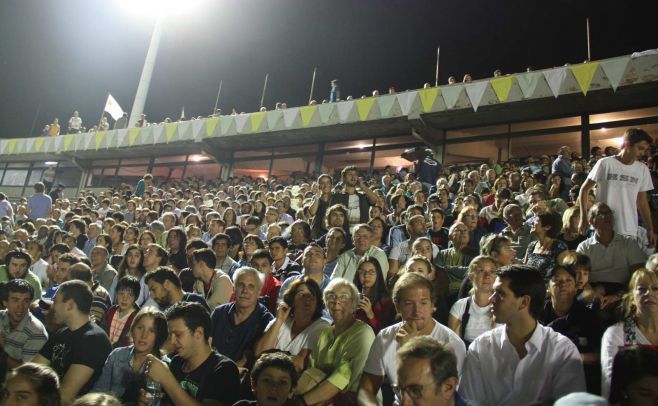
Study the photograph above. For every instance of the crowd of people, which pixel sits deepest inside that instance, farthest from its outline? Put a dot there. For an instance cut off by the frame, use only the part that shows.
(516, 283)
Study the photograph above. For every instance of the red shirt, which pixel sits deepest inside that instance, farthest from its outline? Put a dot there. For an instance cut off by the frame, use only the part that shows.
(271, 288)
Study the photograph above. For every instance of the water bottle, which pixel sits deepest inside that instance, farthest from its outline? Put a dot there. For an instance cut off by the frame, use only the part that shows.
(153, 392)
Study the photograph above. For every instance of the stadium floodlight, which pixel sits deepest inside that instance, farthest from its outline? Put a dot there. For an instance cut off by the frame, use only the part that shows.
(161, 9)
(50, 163)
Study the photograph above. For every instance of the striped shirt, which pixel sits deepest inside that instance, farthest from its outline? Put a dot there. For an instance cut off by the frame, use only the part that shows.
(25, 341)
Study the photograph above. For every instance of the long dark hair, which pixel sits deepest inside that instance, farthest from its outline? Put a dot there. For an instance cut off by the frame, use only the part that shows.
(123, 265)
(289, 295)
(160, 325)
(379, 291)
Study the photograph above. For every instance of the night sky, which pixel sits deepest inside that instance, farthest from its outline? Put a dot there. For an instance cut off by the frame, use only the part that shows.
(57, 56)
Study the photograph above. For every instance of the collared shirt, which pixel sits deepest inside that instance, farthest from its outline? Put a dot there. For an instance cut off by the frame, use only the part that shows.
(227, 266)
(233, 340)
(105, 277)
(25, 341)
(91, 243)
(29, 277)
(402, 251)
(288, 269)
(520, 238)
(551, 369)
(347, 261)
(612, 263)
(39, 205)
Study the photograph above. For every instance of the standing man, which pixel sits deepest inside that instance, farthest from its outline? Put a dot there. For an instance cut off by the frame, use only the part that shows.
(197, 375)
(502, 365)
(334, 94)
(39, 204)
(5, 208)
(143, 183)
(78, 351)
(348, 260)
(562, 167)
(623, 183)
(75, 123)
(357, 203)
(21, 334)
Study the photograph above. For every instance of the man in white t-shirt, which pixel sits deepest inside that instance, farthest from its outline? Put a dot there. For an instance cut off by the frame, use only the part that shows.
(622, 183)
(413, 296)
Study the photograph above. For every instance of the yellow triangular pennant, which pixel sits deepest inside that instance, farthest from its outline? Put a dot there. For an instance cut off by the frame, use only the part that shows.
(502, 87)
(170, 129)
(11, 146)
(132, 135)
(68, 139)
(427, 97)
(211, 124)
(99, 138)
(307, 114)
(584, 73)
(38, 143)
(364, 106)
(256, 119)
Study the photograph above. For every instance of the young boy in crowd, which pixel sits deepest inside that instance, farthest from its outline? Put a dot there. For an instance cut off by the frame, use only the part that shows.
(120, 316)
(273, 380)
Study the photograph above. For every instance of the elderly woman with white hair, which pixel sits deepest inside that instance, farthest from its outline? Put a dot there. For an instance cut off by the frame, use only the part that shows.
(341, 350)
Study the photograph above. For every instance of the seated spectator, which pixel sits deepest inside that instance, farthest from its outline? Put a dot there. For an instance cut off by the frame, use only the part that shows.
(237, 325)
(176, 243)
(379, 232)
(497, 247)
(613, 256)
(166, 290)
(335, 244)
(262, 261)
(314, 260)
(283, 267)
(517, 230)
(273, 380)
(103, 272)
(100, 297)
(416, 228)
(300, 236)
(77, 229)
(423, 359)
(298, 322)
(220, 244)
(124, 369)
(347, 261)
(438, 233)
(78, 351)
(491, 212)
(398, 233)
(570, 234)
(197, 374)
(640, 315)
(547, 251)
(414, 296)
(501, 364)
(96, 399)
(214, 285)
(186, 275)
(634, 376)
(375, 306)
(32, 384)
(119, 317)
(341, 349)
(21, 334)
(569, 317)
(455, 259)
(154, 257)
(17, 264)
(471, 316)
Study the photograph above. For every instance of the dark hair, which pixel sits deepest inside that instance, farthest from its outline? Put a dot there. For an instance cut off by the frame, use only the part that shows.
(43, 379)
(221, 236)
(161, 252)
(633, 136)
(205, 255)
(262, 253)
(552, 220)
(306, 228)
(630, 365)
(346, 169)
(160, 324)
(235, 234)
(337, 208)
(162, 274)
(18, 253)
(79, 224)
(130, 283)
(289, 295)
(193, 315)
(525, 280)
(80, 271)
(278, 240)
(79, 292)
(379, 292)
(254, 238)
(17, 286)
(278, 360)
(61, 248)
(442, 360)
(39, 187)
(123, 265)
(69, 258)
(195, 243)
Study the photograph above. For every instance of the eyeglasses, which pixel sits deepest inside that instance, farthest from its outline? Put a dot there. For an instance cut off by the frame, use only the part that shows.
(368, 273)
(333, 298)
(414, 391)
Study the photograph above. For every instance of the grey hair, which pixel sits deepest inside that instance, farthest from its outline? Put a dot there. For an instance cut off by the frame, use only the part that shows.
(342, 282)
(247, 270)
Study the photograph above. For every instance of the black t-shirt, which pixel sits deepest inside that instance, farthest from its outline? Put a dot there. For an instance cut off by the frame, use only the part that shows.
(196, 298)
(217, 379)
(88, 346)
(234, 340)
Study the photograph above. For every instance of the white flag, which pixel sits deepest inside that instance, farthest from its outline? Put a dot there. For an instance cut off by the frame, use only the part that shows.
(112, 107)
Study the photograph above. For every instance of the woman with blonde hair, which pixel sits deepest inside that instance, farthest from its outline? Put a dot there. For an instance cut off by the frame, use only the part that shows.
(639, 326)
(471, 316)
(570, 234)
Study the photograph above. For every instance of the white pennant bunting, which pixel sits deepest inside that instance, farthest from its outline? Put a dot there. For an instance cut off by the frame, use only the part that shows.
(241, 121)
(199, 129)
(347, 111)
(451, 94)
(59, 143)
(291, 117)
(227, 125)
(406, 101)
(275, 120)
(122, 138)
(328, 114)
(555, 77)
(386, 104)
(475, 91)
(614, 70)
(528, 82)
(159, 134)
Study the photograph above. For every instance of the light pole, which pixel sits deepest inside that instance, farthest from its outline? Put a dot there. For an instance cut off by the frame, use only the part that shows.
(147, 73)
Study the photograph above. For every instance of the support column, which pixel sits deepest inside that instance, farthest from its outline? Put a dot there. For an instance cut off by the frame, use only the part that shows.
(584, 136)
